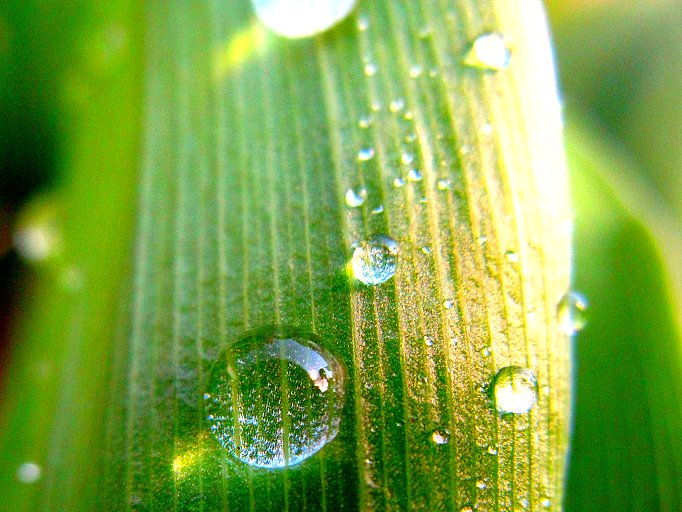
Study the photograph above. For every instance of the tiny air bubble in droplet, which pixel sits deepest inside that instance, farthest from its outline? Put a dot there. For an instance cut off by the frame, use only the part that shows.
(489, 52)
(571, 313)
(374, 260)
(29, 473)
(515, 390)
(355, 197)
(365, 154)
(440, 437)
(257, 387)
(301, 18)
(414, 175)
(398, 182)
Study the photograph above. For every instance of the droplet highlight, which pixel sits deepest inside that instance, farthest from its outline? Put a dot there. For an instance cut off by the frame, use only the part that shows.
(489, 52)
(571, 313)
(515, 390)
(301, 18)
(374, 260)
(274, 398)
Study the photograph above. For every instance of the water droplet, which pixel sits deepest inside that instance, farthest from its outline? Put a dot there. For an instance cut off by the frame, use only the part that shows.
(370, 69)
(571, 313)
(376, 106)
(414, 175)
(546, 502)
(426, 249)
(363, 23)
(365, 154)
(492, 450)
(511, 256)
(423, 200)
(408, 116)
(269, 382)
(486, 351)
(365, 122)
(396, 105)
(398, 182)
(379, 209)
(515, 390)
(486, 129)
(374, 259)
(443, 184)
(428, 340)
(448, 304)
(406, 158)
(488, 51)
(464, 149)
(481, 484)
(29, 473)
(440, 437)
(355, 197)
(415, 71)
(301, 18)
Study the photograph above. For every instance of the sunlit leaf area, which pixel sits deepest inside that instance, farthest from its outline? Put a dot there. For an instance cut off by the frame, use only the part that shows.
(341, 255)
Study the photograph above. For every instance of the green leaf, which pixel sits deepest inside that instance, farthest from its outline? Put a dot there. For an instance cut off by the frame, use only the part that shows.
(250, 143)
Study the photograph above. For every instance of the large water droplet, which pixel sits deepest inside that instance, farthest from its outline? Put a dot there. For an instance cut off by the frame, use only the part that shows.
(29, 473)
(515, 390)
(571, 313)
(374, 259)
(274, 398)
(488, 51)
(301, 18)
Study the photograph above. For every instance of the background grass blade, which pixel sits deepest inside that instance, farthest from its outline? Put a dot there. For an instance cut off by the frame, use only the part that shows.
(250, 143)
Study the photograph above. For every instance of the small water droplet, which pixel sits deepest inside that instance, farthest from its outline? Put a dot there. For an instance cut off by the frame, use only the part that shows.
(370, 69)
(374, 259)
(423, 200)
(444, 185)
(546, 502)
(492, 450)
(365, 154)
(356, 197)
(426, 249)
(512, 257)
(396, 105)
(273, 379)
(301, 18)
(486, 351)
(414, 175)
(406, 158)
(29, 473)
(207, 396)
(379, 209)
(415, 71)
(398, 182)
(363, 23)
(488, 51)
(448, 304)
(428, 340)
(481, 484)
(486, 129)
(408, 116)
(376, 106)
(515, 390)
(440, 437)
(365, 122)
(482, 240)
(571, 313)
(464, 149)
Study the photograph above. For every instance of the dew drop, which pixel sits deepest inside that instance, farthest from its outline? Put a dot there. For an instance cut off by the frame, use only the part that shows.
(481, 484)
(571, 313)
(271, 381)
(396, 105)
(414, 175)
(363, 24)
(406, 158)
(426, 250)
(491, 450)
(443, 185)
(365, 122)
(515, 390)
(415, 71)
(511, 256)
(365, 154)
(370, 69)
(355, 197)
(488, 51)
(398, 182)
(447, 304)
(440, 437)
(379, 209)
(376, 106)
(486, 129)
(374, 259)
(301, 18)
(546, 502)
(29, 473)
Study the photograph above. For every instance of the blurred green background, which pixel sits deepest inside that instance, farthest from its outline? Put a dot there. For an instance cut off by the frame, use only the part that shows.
(620, 66)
